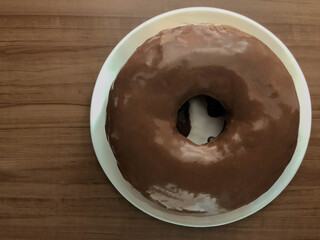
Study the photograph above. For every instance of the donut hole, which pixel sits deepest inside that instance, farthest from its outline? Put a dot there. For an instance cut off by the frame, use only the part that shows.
(201, 119)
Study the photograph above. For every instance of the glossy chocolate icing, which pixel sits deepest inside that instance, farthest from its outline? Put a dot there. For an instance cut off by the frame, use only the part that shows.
(245, 160)
(183, 120)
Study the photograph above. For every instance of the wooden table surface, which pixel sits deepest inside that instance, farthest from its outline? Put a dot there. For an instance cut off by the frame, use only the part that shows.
(51, 185)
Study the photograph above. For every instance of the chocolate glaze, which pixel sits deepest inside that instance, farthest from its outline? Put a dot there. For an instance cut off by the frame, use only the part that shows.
(183, 120)
(245, 160)
(214, 107)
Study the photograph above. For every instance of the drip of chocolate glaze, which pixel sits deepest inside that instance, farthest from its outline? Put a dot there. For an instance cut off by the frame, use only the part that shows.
(183, 120)
(214, 107)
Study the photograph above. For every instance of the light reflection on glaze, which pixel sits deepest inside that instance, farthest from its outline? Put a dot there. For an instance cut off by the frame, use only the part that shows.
(126, 99)
(186, 151)
(236, 137)
(260, 124)
(178, 199)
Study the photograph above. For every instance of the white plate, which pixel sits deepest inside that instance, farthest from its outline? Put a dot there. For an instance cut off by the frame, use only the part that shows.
(120, 55)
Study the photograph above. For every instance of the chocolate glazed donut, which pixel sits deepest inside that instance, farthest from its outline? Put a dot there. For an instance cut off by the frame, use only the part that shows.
(245, 160)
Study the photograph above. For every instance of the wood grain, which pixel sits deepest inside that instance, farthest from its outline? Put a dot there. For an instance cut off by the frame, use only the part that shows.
(51, 185)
